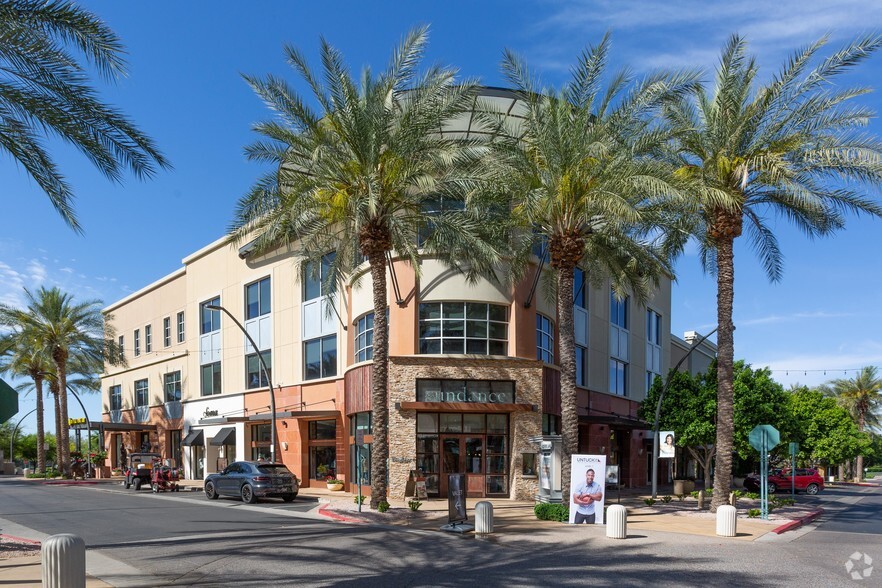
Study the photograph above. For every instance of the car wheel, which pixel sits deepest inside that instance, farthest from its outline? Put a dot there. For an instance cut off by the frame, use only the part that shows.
(772, 487)
(289, 497)
(210, 491)
(248, 494)
(136, 483)
(812, 489)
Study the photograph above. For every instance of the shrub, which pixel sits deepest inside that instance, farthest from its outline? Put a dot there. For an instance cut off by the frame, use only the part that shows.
(358, 499)
(333, 481)
(753, 513)
(694, 494)
(552, 512)
(649, 501)
(681, 497)
(667, 499)
(414, 504)
(753, 495)
(383, 506)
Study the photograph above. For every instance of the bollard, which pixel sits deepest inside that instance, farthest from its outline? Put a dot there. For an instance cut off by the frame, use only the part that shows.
(733, 499)
(484, 517)
(726, 520)
(617, 522)
(701, 500)
(64, 561)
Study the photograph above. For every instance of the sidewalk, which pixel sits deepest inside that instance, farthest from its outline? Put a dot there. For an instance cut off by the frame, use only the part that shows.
(27, 571)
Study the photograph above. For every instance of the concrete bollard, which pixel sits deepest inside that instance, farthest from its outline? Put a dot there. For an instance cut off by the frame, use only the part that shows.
(733, 499)
(617, 522)
(726, 520)
(484, 517)
(701, 500)
(64, 561)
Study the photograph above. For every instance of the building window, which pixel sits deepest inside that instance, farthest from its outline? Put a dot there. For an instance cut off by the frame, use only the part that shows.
(322, 449)
(211, 379)
(137, 342)
(210, 318)
(550, 424)
(181, 327)
(618, 377)
(166, 332)
(581, 366)
(580, 294)
(116, 397)
(172, 385)
(148, 338)
(260, 442)
(618, 310)
(320, 358)
(254, 374)
(463, 327)
(435, 206)
(121, 342)
(316, 279)
(142, 397)
(364, 338)
(544, 339)
(653, 347)
(174, 444)
(257, 299)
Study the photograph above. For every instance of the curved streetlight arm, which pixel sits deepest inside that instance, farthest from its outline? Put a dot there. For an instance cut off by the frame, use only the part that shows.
(14, 431)
(658, 406)
(269, 381)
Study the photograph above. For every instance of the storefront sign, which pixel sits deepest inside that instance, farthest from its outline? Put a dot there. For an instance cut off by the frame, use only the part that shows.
(72, 422)
(486, 391)
(209, 413)
(456, 496)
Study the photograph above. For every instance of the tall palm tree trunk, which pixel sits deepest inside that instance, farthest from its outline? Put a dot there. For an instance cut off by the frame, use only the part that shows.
(53, 387)
(64, 437)
(379, 382)
(569, 417)
(725, 360)
(41, 428)
(859, 461)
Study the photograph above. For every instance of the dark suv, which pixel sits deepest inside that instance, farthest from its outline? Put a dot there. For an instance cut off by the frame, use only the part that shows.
(251, 480)
(806, 479)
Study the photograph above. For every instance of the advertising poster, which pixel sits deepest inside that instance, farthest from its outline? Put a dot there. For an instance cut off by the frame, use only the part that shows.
(666, 444)
(587, 489)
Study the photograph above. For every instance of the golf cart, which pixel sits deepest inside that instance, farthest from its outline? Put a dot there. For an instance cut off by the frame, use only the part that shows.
(139, 470)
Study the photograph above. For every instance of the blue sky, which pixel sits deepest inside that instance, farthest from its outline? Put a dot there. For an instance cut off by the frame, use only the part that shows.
(185, 90)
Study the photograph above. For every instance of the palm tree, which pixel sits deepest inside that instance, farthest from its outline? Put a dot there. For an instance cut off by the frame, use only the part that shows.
(21, 357)
(583, 170)
(779, 149)
(44, 91)
(64, 328)
(354, 177)
(862, 397)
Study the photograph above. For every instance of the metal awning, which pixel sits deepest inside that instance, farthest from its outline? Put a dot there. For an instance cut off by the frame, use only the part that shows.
(226, 436)
(114, 426)
(194, 437)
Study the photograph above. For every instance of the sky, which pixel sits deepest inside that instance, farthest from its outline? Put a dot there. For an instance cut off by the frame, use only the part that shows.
(185, 89)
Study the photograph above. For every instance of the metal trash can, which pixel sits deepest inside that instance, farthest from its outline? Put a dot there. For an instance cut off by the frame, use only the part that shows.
(617, 522)
(726, 517)
(64, 561)
(484, 517)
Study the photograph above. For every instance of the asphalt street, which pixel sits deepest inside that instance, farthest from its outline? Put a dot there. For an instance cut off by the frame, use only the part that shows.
(185, 540)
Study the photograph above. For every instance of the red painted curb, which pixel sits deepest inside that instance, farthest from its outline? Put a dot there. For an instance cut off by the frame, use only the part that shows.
(337, 517)
(798, 522)
(870, 484)
(20, 539)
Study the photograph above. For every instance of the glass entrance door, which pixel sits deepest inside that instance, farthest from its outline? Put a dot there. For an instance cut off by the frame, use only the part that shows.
(452, 460)
(463, 455)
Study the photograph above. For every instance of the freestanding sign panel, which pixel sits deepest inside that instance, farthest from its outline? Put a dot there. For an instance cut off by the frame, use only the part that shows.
(8, 402)
(587, 489)
(666, 444)
(456, 498)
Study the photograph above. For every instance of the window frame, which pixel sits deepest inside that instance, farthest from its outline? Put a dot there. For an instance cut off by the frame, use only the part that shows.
(619, 314)
(214, 377)
(544, 339)
(137, 342)
(321, 342)
(261, 377)
(458, 313)
(259, 302)
(215, 301)
(148, 338)
(166, 331)
(115, 395)
(166, 382)
(616, 384)
(139, 390)
(181, 325)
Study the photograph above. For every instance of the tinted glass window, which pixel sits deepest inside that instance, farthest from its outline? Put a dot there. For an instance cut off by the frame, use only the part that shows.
(276, 470)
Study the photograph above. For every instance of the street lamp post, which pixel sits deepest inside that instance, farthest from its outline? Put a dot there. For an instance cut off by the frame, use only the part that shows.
(269, 381)
(658, 411)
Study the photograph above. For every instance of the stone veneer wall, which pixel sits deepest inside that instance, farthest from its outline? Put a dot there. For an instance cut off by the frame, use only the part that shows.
(403, 373)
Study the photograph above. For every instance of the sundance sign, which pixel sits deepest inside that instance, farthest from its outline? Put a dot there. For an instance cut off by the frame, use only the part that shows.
(487, 391)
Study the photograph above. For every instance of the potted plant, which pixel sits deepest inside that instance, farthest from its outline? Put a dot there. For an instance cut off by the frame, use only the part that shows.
(334, 484)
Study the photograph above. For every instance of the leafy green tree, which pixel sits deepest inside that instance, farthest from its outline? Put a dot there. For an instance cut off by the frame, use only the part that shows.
(862, 397)
(27, 447)
(787, 148)
(44, 91)
(355, 177)
(824, 429)
(583, 171)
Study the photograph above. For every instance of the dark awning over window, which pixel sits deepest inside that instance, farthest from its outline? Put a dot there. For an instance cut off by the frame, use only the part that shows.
(194, 437)
(226, 436)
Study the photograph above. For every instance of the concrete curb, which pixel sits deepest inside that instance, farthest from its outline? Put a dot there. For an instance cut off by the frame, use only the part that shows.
(870, 484)
(325, 512)
(20, 539)
(795, 524)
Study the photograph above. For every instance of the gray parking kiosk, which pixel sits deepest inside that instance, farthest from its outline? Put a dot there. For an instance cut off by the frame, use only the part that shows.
(550, 454)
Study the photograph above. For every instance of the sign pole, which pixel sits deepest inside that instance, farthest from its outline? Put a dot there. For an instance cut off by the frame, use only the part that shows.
(358, 473)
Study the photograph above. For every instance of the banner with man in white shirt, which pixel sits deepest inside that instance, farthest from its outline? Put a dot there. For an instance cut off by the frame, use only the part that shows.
(586, 489)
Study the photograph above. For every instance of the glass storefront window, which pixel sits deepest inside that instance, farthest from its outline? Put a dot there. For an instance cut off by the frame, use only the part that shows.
(497, 423)
(473, 423)
(322, 430)
(364, 455)
(451, 423)
(427, 423)
(322, 462)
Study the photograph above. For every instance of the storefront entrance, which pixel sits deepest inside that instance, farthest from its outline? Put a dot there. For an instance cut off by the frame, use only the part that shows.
(472, 444)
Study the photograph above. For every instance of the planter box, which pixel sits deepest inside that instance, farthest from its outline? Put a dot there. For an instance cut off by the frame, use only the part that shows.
(683, 487)
(335, 487)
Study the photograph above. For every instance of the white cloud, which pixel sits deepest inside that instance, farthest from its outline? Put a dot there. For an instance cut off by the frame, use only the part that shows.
(797, 316)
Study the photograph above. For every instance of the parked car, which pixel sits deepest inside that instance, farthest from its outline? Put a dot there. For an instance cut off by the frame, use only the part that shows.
(251, 480)
(139, 469)
(806, 479)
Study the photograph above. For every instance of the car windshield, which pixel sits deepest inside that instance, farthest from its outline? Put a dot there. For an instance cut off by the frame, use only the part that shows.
(276, 470)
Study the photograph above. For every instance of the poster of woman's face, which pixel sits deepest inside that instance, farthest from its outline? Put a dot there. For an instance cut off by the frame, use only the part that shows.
(666, 444)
